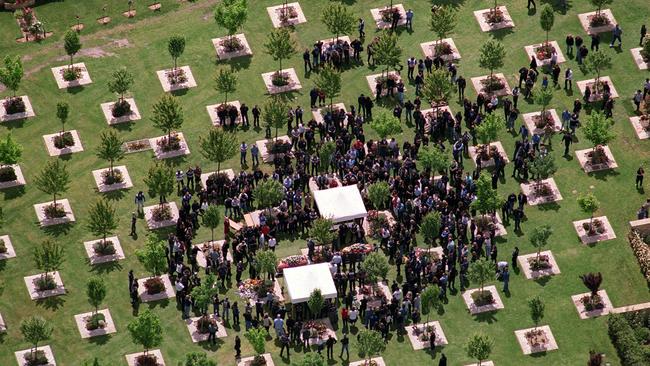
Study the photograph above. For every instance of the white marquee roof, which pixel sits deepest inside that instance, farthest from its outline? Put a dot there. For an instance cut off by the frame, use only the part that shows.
(340, 204)
(302, 281)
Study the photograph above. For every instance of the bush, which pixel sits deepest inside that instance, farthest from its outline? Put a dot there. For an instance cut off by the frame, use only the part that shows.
(169, 144)
(71, 74)
(625, 342)
(115, 178)
(45, 283)
(54, 212)
(3, 246)
(121, 108)
(161, 213)
(96, 321)
(36, 358)
(146, 360)
(14, 105)
(64, 140)
(104, 247)
(7, 174)
(154, 285)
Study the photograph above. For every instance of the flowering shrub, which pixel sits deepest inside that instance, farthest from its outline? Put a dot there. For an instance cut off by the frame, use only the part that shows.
(642, 252)
(292, 261)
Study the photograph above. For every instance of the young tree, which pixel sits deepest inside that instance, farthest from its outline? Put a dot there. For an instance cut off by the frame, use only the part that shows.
(376, 267)
(589, 204)
(325, 154)
(197, 359)
(102, 220)
(231, 15)
(321, 231)
(49, 257)
(536, 307)
(268, 193)
(160, 181)
(152, 256)
(110, 148)
(176, 47)
(385, 124)
(388, 52)
(487, 199)
(218, 146)
(275, 113)
(542, 167)
(379, 194)
(598, 130)
(96, 292)
(312, 359)
(211, 219)
(328, 81)
(203, 295)
(122, 81)
(479, 346)
(226, 82)
(543, 97)
(146, 330)
(480, 272)
(257, 339)
(62, 112)
(167, 115)
(443, 22)
(599, 4)
(437, 88)
(546, 19)
(430, 227)
(12, 73)
(491, 58)
(597, 62)
(370, 343)
(71, 44)
(280, 46)
(53, 179)
(338, 20)
(315, 303)
(266, 262)
(430, 300)
(433, 159)
(10, 152)
(35, 330)
(488, 130)
(592, 281)
(539, 238)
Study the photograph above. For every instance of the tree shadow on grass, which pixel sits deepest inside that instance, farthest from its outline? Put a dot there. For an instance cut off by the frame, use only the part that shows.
(452, 3)
(160, 303)
(14, 192)
(179, 92)
(126, 126)
(115, 195)
(436, 350)
(17, 123)
(56, 230)
(100, 340)
(208, 346)
(75, 90)
(604, 174)
(236, 64)
(551, 206)
(500, 34)
(557, 5)
(105, 268)
(51, 303)
(543, 280)
(486, 317)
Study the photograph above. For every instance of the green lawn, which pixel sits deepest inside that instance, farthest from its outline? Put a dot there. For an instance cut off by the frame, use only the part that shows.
(146, 51)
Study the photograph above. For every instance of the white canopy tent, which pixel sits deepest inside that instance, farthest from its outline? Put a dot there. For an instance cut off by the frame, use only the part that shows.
(340, 204)
(302, 281)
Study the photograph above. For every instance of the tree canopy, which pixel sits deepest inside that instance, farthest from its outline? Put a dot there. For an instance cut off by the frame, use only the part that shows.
(338, 19)
(321, 231)
(370, 343)
(487, 198)
(546, 19)
(598, 130)
(488, 130)
(385, 124)
(443, 20)
(160, 181)
(176, 47)
(96, 291)
(387, 50)
(167, 114)
(231, 15)
(279, 45)
(121, 82)
(49, 256)
(152, 255)
(226, 82)
(430, 226)
(218, 146)
(268, 193)
(480, 272)
(433, 159)
(12, 73)
(376, 266)
(479, 346)
(53, 179)
(491, 56)
(71, 44)
(379, 194)
(275, 113)
(437, 87)
(328, 81)
(102, 219)
(146, 330)
(110, 148)
(10, 151)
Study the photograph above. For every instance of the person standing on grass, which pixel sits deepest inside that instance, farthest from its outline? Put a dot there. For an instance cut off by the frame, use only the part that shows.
(361, 27)
(531, 3)
(637, 98)
(345, 342)
(639, 177)
(617, 32)
(409, 19)
(139, 202)
(237, 347)
(643, 33)
(134, 219)
(330, 346)
(506, 279)
(515, 255)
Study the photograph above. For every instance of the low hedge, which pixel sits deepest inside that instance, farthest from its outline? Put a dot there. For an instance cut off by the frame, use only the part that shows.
(622, 335)
(641, 252)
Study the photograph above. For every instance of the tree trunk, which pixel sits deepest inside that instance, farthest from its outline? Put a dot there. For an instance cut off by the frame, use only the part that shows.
(111, 169)
(71, 56)
(54, 199)
(212, 240)
(226, 100)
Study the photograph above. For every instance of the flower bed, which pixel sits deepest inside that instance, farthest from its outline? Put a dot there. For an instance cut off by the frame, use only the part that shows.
(492, 84)
(356, 252)
(322, 254)
(63, 140)
(104, 247)
(8, 174)
(642, 253)
(287, 14)
(176, 76)
(161, 213)
(291, 262)
(493, 17)
(169, 143)
(14, 105)
(541, 263)
(376, 221)
(136, 146)
(482, 298)
(251, 288)
(114, 178)
(317, 329)
(544, 51)
(596, 227)
(388, 13)
(154, 285)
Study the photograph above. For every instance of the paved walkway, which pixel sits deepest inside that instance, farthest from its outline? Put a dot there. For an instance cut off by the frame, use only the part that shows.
(636, 307)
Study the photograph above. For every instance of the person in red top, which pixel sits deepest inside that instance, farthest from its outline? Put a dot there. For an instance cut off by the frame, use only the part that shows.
(344, 316)
(226, 227)
(266, 230)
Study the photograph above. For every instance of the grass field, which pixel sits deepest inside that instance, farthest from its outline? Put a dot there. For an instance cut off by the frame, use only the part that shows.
(141, 45)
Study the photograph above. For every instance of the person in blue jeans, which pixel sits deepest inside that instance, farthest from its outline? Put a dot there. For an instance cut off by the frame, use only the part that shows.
(255, 152)
(409, 19)
(616, 35)
(242, 150)
(506, 279)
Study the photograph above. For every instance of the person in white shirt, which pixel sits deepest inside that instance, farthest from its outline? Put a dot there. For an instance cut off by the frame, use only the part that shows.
(272, 243)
